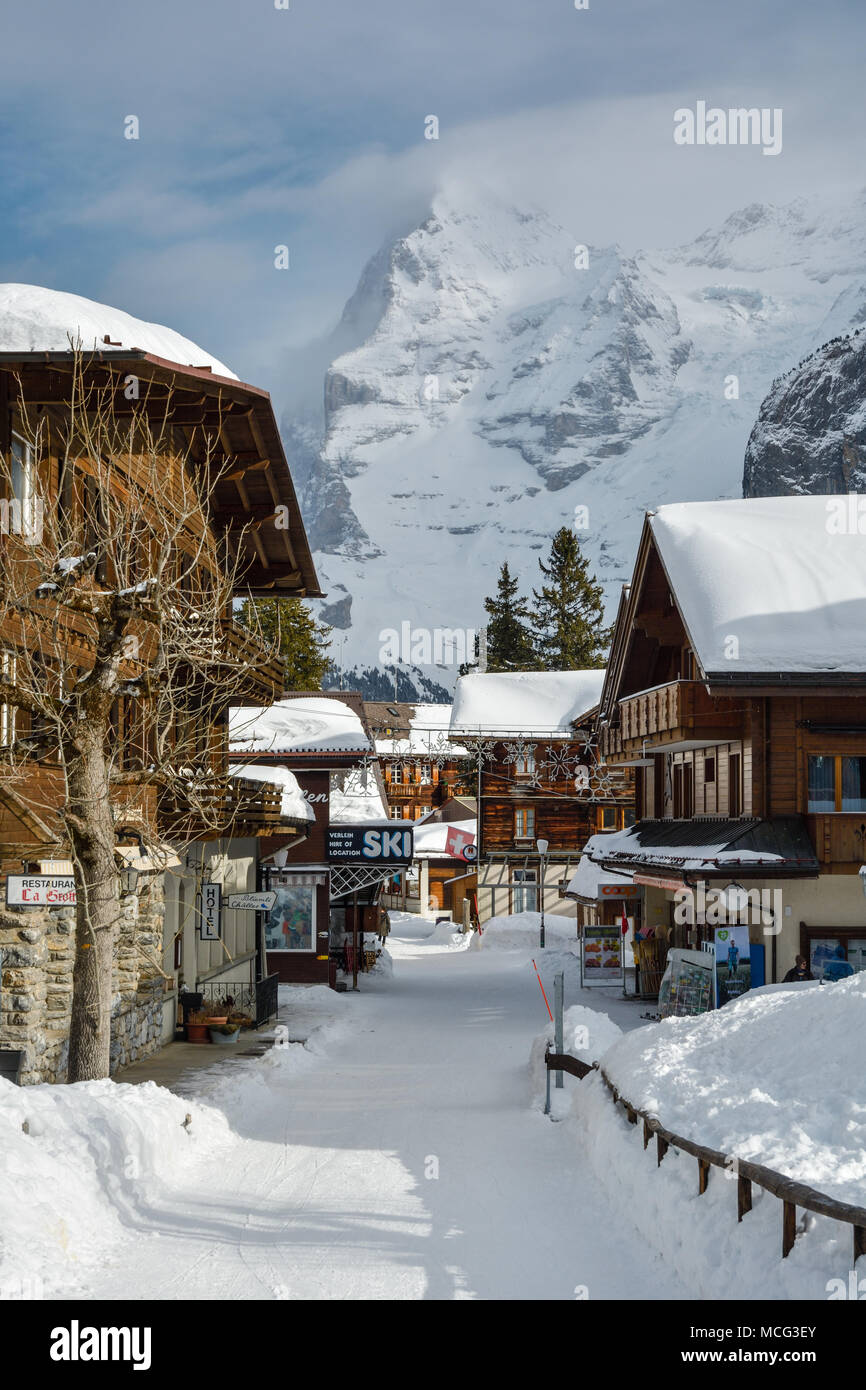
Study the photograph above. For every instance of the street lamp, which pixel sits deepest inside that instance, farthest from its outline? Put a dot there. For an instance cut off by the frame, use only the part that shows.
(541, 846)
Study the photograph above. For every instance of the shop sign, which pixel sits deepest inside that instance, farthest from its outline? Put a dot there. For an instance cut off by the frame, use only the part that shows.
(359, 844)
(601, 961)
(210, 920)
(51, 890)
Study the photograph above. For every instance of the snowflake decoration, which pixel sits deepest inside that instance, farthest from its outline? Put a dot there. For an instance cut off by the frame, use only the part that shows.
(519, 752)
(560, 763)
(479, 752)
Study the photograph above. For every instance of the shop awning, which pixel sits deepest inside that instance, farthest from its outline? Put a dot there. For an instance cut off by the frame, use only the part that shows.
(779, 847)
(589, 883)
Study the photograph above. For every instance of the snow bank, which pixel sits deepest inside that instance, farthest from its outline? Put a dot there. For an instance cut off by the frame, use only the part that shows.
(715, 1256)
(35, 319)
(776, 1077)
(520, 932)
(79, 1164)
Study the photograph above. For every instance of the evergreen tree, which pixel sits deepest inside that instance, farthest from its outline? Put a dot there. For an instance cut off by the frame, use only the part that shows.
(289, 626)
(569, 616)
(510, 646)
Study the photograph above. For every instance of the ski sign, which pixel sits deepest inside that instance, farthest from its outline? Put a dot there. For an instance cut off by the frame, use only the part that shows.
(251, 902)
(370, 844)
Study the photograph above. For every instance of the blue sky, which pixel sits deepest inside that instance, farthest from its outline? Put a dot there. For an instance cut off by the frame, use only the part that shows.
(305, 126)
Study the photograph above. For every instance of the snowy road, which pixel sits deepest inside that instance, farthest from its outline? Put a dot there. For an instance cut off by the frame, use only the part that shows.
(329, 1189)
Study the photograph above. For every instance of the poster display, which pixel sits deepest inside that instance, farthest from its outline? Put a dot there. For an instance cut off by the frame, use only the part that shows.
(733, 963)
(602, 956)
(687, 984)
(291, 922)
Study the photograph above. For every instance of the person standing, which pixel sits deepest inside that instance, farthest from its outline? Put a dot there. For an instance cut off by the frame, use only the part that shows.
(799, 971)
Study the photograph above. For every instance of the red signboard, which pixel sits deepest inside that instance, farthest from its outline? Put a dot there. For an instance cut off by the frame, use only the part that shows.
(456, 842)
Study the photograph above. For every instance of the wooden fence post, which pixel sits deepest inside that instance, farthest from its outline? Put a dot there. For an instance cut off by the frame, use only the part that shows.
(789, 1227)
(744, 1197)
(661, 1149)
(647, 1133)
(859, 1242)
(703, 1176)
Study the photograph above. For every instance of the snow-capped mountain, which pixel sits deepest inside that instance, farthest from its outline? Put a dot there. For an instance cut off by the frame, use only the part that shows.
(503, 382)
(810, 434)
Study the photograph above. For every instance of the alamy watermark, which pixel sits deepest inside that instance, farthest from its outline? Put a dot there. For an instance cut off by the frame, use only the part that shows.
(437, 646)
(738, 125)
(721, 907)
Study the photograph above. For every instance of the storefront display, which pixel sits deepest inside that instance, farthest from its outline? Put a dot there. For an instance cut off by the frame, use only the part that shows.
(602, 956)
(687, 984)
(291, 923)
(733, 963)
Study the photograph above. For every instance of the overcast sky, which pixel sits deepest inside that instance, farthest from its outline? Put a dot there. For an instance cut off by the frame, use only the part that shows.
(305, 127)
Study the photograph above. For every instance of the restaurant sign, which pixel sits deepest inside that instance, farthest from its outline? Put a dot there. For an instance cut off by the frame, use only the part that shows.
(49, 890)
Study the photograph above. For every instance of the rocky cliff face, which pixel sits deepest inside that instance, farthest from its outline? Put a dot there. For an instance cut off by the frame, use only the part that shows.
(501, 384)
(810, 435)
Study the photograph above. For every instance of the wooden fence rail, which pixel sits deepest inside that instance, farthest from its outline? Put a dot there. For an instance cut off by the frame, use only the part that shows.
(792, 1194)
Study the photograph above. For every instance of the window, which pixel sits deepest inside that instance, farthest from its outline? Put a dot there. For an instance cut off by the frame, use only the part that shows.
(426, 775)
(524, 894)
(837, 783)
(853, 784)
(423, 810)
(607, 818)
(524, 822)
(709, 769)
(395, 772)
(525, 766)
(291, 923)
(396, 812)
(22, 511)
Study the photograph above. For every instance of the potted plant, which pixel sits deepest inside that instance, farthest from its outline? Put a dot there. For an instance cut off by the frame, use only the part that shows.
(224, 1034)
(196, 1027)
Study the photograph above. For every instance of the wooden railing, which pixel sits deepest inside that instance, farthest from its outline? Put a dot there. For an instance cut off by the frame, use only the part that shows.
(792, 1194)
(678, 707)
(240, 805)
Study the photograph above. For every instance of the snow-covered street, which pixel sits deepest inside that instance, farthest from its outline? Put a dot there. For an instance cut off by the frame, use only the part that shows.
(403, 1160)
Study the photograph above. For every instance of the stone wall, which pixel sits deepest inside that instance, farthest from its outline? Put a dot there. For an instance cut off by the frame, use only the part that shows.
(37, 946)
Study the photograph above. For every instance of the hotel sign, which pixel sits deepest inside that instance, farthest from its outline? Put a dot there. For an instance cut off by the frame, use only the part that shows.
(37, 890)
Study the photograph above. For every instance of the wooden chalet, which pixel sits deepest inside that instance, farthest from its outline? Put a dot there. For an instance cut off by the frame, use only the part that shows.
(538, 777)
(219, 424)
(421, 770)
(322, 738)
(736, 690)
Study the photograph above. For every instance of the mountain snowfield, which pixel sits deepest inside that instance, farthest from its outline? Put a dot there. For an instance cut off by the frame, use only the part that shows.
(510, 384)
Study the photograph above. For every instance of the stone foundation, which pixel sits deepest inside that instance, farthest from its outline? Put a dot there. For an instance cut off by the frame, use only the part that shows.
(37, 947)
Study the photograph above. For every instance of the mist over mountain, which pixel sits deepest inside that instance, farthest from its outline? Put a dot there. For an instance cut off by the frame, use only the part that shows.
(492, 380)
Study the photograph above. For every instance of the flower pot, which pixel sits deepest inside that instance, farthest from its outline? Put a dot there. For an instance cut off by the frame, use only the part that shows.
(216, 1021)
(223, 1039)
(197, 1033)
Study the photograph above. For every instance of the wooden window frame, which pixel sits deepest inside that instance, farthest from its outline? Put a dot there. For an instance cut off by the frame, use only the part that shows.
(837, 783)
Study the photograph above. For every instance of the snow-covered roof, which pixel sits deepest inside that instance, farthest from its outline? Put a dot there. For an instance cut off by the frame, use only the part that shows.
(36, 319)
(293, 803)
(523, 702)
(428, 735)
(769, 584)
(589, 877)
(306, 725)
(355, 803)
(430, 836)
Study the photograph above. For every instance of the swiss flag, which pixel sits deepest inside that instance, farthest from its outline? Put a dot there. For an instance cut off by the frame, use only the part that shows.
(456, 841)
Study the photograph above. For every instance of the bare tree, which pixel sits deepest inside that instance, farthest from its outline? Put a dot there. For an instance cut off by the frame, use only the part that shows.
(119, 654)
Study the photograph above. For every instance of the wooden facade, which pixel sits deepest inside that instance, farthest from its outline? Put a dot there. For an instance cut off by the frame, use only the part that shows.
(762, 750)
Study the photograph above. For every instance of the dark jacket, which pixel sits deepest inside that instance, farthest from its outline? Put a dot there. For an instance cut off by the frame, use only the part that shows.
(794, 974)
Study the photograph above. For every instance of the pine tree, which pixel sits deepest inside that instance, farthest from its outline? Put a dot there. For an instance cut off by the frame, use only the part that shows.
(569, 617)
(510, 646)
(289, 626)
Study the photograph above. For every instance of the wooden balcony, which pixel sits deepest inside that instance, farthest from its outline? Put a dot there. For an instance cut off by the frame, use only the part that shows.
(839, 839)
(254, 673)
(680, 712)
(222, 806)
